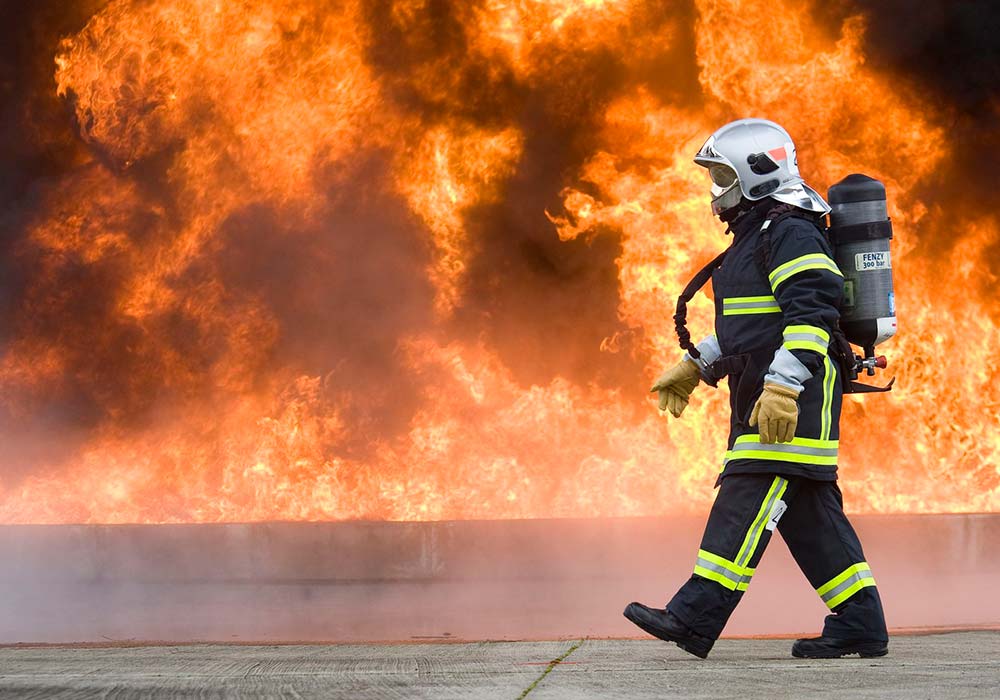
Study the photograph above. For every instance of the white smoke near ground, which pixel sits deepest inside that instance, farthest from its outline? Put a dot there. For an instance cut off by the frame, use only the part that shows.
(369, 581)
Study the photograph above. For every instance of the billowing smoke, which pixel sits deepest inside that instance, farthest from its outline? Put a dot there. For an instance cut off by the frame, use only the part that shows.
(949, 55)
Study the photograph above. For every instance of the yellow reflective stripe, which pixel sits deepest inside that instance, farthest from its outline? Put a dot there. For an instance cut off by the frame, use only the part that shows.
(722, 571)
(812, 261)
(766, 297)
(749, 312)
(732, 566)
(804, 337)
(845, 584)
(850, 591)
(735, 575)
(781, 456)
(843, 576)
(753, 438)
(826, 416)
(741, 306)
(805, 345)
(763, 515)
(717, 577)
(807, 330)
(798, 451)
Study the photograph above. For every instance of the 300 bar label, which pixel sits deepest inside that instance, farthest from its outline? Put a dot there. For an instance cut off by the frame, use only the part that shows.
(872, 261)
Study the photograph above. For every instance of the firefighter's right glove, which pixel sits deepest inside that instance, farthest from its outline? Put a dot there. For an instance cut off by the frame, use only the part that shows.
(777, 414)
(675, 386)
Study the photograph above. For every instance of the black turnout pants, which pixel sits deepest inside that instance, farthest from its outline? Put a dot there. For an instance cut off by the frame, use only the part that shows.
(810, 516)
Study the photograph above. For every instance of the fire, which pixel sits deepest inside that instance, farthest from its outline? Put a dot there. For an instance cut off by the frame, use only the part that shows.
(450, 173)
(304, 264)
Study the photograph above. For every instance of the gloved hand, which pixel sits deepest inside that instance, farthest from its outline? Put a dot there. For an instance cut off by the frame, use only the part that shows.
(777, 412)
(675, 386)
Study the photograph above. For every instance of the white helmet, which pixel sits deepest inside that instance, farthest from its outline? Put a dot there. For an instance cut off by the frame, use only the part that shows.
(755, 158)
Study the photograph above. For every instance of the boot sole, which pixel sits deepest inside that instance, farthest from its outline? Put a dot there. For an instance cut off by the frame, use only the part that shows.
(659, 634)
(865, 651)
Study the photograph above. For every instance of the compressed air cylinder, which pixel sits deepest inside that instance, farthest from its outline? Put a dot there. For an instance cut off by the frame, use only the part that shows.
(860, 232)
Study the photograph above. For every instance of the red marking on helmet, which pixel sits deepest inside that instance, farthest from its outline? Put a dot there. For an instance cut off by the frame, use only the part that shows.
(778, 154)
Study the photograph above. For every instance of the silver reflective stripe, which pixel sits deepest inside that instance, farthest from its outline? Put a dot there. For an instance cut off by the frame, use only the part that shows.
(730, 305)
(731, 575)
(784, 447)
(851, 580)
(815, 261)
(810, 261)
(751, 304)
(809, 337)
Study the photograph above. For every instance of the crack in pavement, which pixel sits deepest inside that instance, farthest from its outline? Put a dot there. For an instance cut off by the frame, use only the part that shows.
(548, 669)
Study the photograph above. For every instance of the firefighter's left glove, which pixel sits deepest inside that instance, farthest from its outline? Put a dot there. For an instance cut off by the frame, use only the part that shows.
(777, 414)
(675, 386)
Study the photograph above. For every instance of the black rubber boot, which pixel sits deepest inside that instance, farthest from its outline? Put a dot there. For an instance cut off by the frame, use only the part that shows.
(660, 623)
(832, 648)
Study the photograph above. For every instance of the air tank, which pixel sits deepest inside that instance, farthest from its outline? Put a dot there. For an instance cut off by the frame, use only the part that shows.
(860, 232)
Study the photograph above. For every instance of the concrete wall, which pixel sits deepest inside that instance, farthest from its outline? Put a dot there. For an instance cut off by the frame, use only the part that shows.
(468, 579)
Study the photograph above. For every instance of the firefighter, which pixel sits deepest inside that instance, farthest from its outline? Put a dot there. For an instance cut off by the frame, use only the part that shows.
(777, 294)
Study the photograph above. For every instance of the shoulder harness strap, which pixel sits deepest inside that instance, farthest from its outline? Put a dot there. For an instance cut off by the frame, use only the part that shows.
(763, 251)
(680, 317)
(761, 255)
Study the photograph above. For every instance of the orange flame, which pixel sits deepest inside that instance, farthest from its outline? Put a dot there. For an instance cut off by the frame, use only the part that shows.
(196, 114)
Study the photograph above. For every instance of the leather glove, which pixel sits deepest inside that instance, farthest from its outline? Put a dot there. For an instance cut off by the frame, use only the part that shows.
(675, 386)
(777, 412)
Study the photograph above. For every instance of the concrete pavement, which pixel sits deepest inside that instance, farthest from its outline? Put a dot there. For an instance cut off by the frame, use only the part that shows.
(957, 665)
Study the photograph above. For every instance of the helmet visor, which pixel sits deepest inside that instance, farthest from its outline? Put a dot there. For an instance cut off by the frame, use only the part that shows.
(722, 175)
(725, 198)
